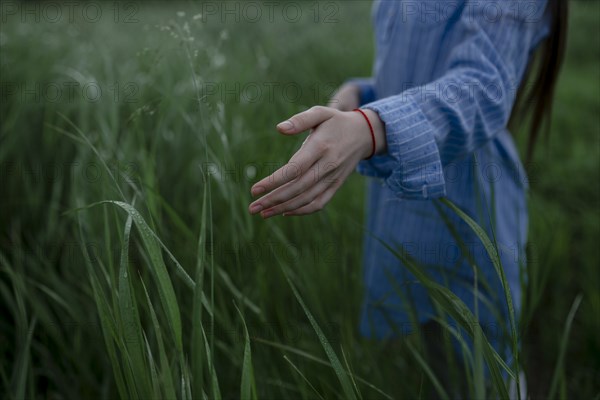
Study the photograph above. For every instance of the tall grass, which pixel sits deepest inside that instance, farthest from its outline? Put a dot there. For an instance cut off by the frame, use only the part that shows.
(130, 267)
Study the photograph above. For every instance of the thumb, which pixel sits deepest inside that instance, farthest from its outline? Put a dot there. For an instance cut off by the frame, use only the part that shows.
(305, 120)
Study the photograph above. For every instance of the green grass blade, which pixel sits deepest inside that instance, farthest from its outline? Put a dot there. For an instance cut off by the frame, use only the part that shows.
(197, 346)
(457, 309)
(478, 366)
(286, 358)
(168, 386)
(467, 355)
(108, 325)
(130, 319)
(333, 358)
(350, 373)
(434, 380)
(236, 292)
(216, 392)
(495, 258)
(321, 361)
(492, 252)
(563, 346)
(180, 271)
(156, 392)
(24, 361)
(186, 388)
(248, 387)
(92, 147)
(163, 280)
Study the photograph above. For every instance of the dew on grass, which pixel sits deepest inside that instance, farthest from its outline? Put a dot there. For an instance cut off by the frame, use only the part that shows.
(250, 172)
(218, 60)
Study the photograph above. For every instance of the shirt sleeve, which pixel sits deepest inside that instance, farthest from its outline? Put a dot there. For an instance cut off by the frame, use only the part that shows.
(429, 126)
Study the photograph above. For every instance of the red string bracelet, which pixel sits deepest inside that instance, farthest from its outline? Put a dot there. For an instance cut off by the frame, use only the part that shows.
(372, 132)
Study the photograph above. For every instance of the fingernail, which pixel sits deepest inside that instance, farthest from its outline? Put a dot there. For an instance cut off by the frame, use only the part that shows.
(255, 208)
(267, 214)
(257, 190)
(285, 125)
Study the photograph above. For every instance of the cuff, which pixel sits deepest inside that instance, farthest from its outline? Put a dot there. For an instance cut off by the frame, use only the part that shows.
(412, 167)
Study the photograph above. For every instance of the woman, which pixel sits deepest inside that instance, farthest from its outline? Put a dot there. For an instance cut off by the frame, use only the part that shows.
(432, 123)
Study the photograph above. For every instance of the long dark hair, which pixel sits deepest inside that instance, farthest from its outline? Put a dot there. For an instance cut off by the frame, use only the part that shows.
(543, 72)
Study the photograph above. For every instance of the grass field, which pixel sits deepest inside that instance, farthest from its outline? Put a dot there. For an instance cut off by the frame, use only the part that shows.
(130, 267)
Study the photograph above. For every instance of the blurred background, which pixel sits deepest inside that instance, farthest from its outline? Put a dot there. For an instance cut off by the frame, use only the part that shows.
(171, 108)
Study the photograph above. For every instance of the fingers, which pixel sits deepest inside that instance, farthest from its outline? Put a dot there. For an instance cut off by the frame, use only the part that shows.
(294, 185)
(318, 175)
(316, 205)
(299, 201)
(298, 165)
(305, 120)
(304, 158)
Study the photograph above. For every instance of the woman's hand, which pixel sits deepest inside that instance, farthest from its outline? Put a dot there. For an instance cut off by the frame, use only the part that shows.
(346, 98)
(337, 142)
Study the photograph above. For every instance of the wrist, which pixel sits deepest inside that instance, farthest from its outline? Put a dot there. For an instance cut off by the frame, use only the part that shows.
(362, 140)
(378, 130)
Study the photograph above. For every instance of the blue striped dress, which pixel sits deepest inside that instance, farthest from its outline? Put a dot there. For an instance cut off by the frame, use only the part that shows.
(444, 82)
